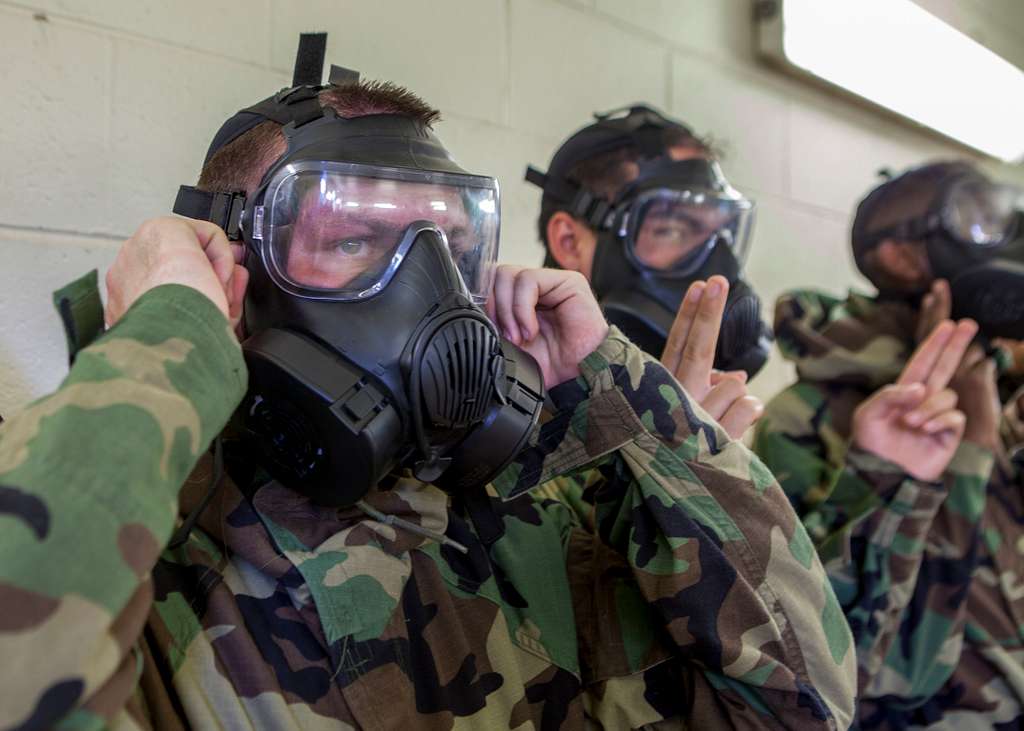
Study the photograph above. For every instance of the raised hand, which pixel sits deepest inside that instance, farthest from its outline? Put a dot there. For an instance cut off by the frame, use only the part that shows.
(978, 396)
(936, 307)
(690, 355)
(177, 251)
(549, 313)
(914, 422)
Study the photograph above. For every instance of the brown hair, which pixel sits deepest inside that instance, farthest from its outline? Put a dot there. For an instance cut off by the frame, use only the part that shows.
(241, 164)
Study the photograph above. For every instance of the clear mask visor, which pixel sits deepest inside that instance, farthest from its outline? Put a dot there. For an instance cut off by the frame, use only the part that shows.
(977, 212)
(335, 230)
(673, 231)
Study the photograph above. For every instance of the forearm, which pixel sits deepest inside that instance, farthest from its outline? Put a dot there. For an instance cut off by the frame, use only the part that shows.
(714, 549)
(911, 556)
(90, 476)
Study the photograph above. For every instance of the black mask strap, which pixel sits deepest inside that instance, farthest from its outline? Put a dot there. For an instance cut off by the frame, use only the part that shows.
(593, 209)
(222, 208)
(309, 59)
(216, 479)
(645, 127)
(641, 127)
(341, 76)
(298, 104)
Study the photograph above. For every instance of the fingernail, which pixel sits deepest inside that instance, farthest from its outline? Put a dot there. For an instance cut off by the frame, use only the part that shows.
(507, 334)
(526, 335)
(714, 288)
(696, 292)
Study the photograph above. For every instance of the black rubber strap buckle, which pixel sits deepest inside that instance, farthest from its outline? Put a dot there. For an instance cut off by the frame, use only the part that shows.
(592, 208)
(220, 207)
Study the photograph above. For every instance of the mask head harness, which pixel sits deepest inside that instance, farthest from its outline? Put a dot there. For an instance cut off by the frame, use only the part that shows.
(678, 221)
(296, 105)
(971, 231)
(642, 127)
(369, 251)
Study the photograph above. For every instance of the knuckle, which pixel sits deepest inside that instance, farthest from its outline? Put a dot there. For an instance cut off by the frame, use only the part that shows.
(146, 229)
(737, 389)
(506, 273)
(695, 354)
(523, 282)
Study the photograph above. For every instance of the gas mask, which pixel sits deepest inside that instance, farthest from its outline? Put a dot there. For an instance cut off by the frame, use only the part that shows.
(679, 222)
(370, 253)
(676, 223)
(974, 239)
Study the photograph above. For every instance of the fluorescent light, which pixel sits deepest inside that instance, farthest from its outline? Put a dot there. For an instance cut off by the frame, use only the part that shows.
(899, 56)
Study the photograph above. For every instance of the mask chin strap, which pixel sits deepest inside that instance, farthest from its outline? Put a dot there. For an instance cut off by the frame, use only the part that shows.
(296, 105)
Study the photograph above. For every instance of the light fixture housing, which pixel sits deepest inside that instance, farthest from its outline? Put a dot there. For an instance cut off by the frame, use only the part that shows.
(897, 55)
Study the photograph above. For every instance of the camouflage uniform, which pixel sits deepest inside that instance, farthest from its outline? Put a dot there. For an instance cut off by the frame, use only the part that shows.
(697, 601)
(930, 576)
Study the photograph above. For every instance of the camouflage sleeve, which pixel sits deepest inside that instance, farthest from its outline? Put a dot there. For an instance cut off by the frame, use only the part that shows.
(1011, 426)
(902, 568)
(89, 477)
(787, 438)
(899, 552)
(697, 563)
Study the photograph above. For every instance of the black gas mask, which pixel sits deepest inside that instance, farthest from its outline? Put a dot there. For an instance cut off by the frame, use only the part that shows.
(679, 222)
(370, 252)
(973, 237)
(676, 223)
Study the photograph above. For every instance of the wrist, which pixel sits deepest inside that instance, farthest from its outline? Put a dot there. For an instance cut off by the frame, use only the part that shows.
(584, 350)
(883, 472)
(984, 440)
(909, 467)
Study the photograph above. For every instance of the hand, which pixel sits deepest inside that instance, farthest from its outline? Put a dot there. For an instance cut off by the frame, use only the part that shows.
(978, 396)
(1013, 420)
(1015, 350)
(177, 251)
(690, 355)
(936, 307)
(914, 422)
(549, 313)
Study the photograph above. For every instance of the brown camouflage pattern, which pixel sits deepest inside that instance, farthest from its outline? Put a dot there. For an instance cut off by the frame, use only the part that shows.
(931, 577)
(693, 599)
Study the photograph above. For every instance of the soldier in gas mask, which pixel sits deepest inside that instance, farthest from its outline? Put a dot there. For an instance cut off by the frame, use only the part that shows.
(924, 556)
(340, 560)
(636, 202)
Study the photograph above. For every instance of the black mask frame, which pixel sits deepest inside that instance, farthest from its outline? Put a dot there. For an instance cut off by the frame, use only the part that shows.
(370, 404)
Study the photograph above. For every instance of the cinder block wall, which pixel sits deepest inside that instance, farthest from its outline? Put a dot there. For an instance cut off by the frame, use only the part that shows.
(108, 105)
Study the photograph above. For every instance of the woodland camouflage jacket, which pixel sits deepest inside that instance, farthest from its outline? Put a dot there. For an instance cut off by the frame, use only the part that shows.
(696, 601)
(930, 576)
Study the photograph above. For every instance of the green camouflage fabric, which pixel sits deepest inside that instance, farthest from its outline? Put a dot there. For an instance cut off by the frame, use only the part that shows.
(693, 600)
(930, 576)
